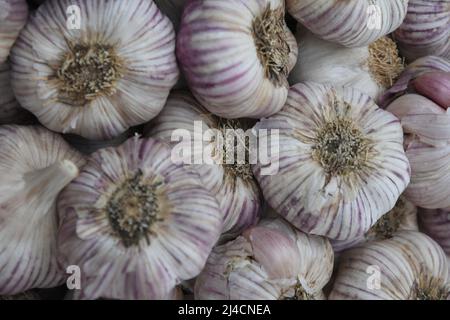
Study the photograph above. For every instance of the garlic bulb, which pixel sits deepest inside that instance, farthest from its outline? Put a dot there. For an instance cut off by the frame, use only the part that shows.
(410, 266)
(371, 69)
(233, 185)
(136, 223)
(35, 165)
(13, 15)
(129, 47)
(236, 55)
(352, 23)
(341, 159)
(425, 30)
(271, 261)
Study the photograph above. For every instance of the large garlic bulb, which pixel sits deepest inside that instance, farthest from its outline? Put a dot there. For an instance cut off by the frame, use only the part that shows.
(341, 161)
(35, 165)
(271, 261)
(96, 78)
(13, 15)
(136, 223)
(352, 23)
(425, 30)
(236, 55)
(410, 266)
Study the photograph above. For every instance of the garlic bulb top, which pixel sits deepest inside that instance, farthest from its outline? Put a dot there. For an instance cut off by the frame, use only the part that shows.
(13, 15)
(341, 159)
(352, 23)
(136, 223)
(35, 165)
(268, 262)
(236, 55)
(425, 30)
(107, 69)
(409, 266)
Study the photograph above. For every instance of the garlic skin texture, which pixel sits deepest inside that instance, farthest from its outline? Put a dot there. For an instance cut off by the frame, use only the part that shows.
(35, 165)
(436, 224)
(348, 22)
(234, 185)
(425, 30)
(136, 223)
(412, 267)
(130, 49)
(236, 55)
(13, 16)
(341, 161)
(271, 261)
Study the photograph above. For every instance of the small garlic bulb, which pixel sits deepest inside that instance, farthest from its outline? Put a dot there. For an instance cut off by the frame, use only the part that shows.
(35, 165)
(236, 55)
(341, 161)
(425, 30)
(13, 15)
(409, 266)
(271, 261)
(352, 23)
(136, 223)
(129, 48)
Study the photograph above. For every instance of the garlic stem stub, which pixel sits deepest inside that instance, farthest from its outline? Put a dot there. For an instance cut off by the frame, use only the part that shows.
(13, 15)
(136, 223)
(35, 165)
(236, 55)
(341, 161)
(352, 23)
(97, 79)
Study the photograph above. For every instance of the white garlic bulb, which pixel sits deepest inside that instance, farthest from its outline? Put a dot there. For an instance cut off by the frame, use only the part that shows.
(236, 55)
(341, 161)
(129, 48)
(410, 266)
(352, 23)
(271, 261)
(35, 165)
(13, 15)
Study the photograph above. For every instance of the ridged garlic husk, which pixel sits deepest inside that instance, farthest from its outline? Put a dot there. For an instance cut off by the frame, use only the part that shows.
(409, 266)
(341, 161)
(136, 223)
(87, 146)
(425, 30)
(352, 23)
(271, 261)
(35, 165)
(13, 16)
(129, 48)
(371, 69)
(236, 55)
(233, 185)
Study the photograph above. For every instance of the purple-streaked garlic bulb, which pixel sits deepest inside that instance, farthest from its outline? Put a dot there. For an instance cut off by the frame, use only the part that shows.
(233, 184)
(271, 261)
(341, 161)
(236, 55)
(425, 30)
(13, 15)
(409, 266)
(136, 223)
(352, 23)
(35, 165)
(96, 78)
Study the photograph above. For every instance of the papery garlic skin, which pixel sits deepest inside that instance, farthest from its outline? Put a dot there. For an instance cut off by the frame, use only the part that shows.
(236, 55)
(335, 191)
(425, 30)
(136, 223)
(349, 22)
(35, 165)
(130, 48)
(13, 15)
(271, 261)
(411, 266)
(434, 86)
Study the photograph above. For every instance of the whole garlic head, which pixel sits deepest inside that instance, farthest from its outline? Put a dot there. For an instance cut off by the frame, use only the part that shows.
(13, 15)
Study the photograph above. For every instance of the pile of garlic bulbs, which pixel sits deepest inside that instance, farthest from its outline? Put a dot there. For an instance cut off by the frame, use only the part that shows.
(225, 149)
